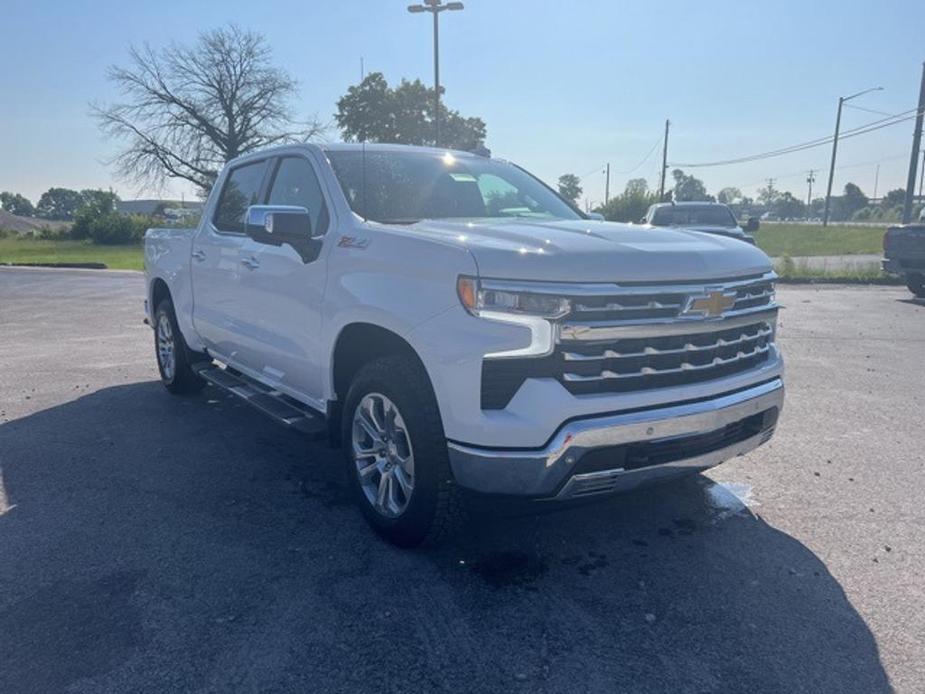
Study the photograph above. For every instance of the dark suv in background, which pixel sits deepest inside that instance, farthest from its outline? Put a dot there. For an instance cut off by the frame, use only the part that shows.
(708, 217)
(904, 254)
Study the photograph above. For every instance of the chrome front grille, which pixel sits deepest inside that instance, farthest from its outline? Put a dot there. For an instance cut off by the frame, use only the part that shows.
(635, 303)
(650, 361)
(618, 339)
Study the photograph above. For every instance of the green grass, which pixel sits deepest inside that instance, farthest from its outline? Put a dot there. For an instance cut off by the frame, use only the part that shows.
(15, 250)
(799, 271)
(814, 239)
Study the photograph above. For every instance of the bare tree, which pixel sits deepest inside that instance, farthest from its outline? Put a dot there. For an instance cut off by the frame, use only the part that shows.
(189, 109)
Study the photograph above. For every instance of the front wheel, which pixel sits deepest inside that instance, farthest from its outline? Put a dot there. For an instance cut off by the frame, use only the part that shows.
(916, 285)
(173, 356)
(396, 453)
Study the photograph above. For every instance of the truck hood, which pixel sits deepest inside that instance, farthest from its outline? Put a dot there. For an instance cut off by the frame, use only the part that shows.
(707, 229)
(593, 251)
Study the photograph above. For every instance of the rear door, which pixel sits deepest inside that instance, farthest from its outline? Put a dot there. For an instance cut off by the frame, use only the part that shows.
(216, 262)
(281, 290)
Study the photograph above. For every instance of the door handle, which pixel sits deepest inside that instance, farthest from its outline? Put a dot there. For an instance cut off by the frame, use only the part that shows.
(199, 255)
(250, 263)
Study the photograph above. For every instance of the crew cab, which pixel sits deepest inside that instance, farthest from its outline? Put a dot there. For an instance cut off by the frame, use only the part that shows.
(904, 254)
(456, 326)
(708, 217)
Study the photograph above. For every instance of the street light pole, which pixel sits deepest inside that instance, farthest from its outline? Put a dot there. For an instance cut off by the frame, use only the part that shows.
(828, 191)
(435, 7)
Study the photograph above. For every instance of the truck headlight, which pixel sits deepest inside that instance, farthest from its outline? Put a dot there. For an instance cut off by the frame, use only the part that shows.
(532, 310)
(479, 300)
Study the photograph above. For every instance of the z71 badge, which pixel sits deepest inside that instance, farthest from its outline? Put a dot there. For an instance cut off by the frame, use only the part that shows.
(353, 242)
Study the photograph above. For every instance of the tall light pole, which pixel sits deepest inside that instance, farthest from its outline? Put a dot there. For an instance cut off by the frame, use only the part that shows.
(435, 7)
(828, 191)
(913, 160)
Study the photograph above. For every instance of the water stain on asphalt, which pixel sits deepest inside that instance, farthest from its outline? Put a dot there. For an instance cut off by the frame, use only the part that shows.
(727, 499)
(510, 569)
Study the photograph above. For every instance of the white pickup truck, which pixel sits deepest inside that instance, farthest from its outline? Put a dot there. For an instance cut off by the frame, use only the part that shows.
(456, 325)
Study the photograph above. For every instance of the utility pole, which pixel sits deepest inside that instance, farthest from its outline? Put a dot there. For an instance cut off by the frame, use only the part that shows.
(914, 159)
(770, 191)
(922, 176)
(661, 184)
(876, 180)
(607, 185)
(435, 7)
(810, 179)
(362, 69)
(828, 191)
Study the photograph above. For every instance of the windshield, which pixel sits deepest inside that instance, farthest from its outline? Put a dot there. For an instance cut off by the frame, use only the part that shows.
(405, 187)
(714, 216)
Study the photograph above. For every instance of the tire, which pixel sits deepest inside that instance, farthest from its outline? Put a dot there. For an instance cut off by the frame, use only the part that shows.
(174, 358)
(432, 509)
(916, 285)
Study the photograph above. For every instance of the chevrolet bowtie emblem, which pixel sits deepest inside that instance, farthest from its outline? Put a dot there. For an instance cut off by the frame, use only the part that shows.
(711, 304)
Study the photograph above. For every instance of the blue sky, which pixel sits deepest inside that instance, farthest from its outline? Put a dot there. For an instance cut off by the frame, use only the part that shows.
(563, 86)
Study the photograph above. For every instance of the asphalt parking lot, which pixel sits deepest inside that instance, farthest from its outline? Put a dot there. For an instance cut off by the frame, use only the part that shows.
(153, 543)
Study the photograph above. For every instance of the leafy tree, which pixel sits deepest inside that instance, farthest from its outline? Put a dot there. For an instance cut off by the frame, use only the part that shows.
(729, 195)
(189, 109)
(637, 186)
(59, 203)
(14, 203)
(894, 198)
(785, 206)
(371, 111)
(570, 187)
(767, 195)
(687, 187)
(101, 201)
(631, 205)
(853, 200)
(96, 204)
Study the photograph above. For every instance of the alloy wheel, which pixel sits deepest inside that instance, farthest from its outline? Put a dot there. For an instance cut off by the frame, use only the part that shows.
(383, 455)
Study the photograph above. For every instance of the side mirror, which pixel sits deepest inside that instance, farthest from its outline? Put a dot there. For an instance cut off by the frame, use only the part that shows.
(278, 224)
(596, 216)
(752, 224)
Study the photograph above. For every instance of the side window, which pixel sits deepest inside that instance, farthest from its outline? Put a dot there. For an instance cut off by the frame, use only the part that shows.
(242, 189)
(295, 183)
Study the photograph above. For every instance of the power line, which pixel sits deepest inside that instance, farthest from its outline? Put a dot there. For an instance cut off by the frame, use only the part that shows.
(644, 159)
(627, 171)
(594, 170)
(854, 132)
(869, 110)
(839, 167)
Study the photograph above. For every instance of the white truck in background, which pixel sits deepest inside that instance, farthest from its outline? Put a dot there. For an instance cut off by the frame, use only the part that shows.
(454, 324)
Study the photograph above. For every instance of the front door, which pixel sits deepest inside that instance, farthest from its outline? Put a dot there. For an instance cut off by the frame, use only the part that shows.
(281, 290)
(216, 264)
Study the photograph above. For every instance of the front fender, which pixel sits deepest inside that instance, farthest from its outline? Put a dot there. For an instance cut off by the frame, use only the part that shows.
(395, 282)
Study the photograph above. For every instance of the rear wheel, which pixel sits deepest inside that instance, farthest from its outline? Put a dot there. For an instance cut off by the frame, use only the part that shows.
(916, 285)
(174, 358)
(396, 453)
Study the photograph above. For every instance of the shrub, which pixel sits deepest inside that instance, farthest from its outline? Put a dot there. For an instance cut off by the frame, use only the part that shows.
(83, 220)
(114, 228)
(787, 266)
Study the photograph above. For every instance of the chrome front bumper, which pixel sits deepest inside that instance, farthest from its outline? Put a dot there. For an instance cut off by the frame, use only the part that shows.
(550, 472)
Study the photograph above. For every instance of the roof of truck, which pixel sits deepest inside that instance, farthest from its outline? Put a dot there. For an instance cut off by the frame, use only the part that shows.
(690, 203)
(388, 147)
